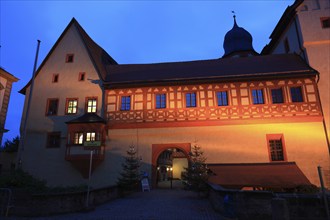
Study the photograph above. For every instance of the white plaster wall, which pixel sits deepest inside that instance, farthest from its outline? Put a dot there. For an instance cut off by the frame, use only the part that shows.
(319, 59)
(316, 43)
(305, 144)
(36, 158)
(316, 40)
(310, 21)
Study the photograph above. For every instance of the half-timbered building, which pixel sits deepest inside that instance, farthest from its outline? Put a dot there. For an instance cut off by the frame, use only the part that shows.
(242, 108)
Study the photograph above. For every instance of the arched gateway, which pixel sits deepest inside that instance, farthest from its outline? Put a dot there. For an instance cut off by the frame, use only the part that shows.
(158, 149)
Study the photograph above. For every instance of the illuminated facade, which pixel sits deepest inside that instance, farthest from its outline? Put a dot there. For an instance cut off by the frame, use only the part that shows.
(304, 29)
(241, 108)
(6, 81)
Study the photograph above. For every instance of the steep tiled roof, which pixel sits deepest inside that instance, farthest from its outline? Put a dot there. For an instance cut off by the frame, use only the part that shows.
(99, 56)
(225, 68)
(7, 75)
(284, 21)
(273, 175)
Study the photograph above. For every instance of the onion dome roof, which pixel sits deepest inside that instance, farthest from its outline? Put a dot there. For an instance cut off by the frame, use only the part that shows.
(237, 40)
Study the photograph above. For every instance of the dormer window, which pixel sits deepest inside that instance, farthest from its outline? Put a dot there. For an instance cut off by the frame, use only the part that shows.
(69, 58)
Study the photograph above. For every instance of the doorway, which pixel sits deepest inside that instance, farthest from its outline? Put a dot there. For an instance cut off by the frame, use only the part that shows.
(168, 163)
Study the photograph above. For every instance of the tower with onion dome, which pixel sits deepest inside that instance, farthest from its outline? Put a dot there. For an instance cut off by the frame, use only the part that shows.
(238, 42)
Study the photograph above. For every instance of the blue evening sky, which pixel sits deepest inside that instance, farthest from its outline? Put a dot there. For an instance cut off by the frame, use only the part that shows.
(130, 31)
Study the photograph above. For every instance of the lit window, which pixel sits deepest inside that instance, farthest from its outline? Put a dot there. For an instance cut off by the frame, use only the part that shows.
(69, 58)
(222, 98)
(82, 76)
(54, 140)
(190, 100)
(90, 136)
(257, 96)
(161, 101)
(91, 105)
(55, 78)
(277, 96)
(71, 106)
(125, 103)
(78, 138)
(276, 150)
(325, 22)
(52, 105)
(296, 94)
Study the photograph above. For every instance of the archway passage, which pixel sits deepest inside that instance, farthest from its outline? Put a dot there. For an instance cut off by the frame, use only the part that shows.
(168, 163)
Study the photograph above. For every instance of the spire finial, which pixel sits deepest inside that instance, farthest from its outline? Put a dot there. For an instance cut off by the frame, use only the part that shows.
(235, 24)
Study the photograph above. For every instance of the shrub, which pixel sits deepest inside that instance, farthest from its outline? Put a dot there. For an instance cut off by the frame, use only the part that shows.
(22, 180)
(11, 146)
(19, 179)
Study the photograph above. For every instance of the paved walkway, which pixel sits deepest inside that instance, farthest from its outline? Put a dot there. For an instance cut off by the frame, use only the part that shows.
(153, 205)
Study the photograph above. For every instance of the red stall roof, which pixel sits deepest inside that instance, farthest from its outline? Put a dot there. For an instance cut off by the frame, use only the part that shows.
(272, 175)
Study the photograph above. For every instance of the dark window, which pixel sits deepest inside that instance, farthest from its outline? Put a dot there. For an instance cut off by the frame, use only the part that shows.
(304, 8)
(91, 105)
(257, 96)
(78, 138)
(190, 100)
(55, 78)
(52, 105)
(286, 45)
(54, 140)
(125, 103)
(161, 101)
(296, 94)
(276, 150)
(69, 58)
(315, 5)
(325, 22)
(222, 98)
(71, 106)
(82, 76)
(277, 96)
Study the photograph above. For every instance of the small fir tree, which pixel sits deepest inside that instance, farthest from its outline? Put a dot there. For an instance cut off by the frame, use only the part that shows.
(196, 175)
(129, 177)
(11, 146)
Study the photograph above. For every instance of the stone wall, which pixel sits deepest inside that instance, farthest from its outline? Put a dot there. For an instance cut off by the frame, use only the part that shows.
(28, 205)
(265, 205)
